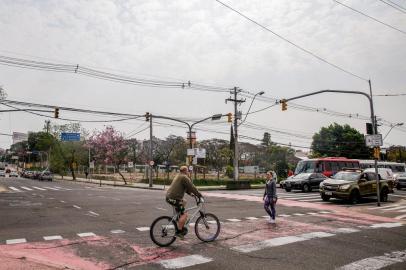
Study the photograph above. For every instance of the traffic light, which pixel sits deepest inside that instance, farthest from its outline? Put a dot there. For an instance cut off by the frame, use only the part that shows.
(377, 152)
(284, 105)
(369, 128)
(56, 112)
(147, 115)
(230, 117)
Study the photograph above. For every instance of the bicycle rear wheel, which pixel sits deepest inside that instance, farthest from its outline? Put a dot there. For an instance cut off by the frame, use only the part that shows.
(162, 231)
(207, 227)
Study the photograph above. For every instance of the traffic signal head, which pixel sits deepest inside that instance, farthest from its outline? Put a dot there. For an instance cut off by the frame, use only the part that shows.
(377, 152)
(284, 105)
(147, 115)
(229, 117)
(369, 128)
(56, 112)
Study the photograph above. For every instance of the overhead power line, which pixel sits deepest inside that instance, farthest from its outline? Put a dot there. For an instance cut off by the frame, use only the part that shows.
(370, 17)
(394, 5)
(293, 43)
(390, 95)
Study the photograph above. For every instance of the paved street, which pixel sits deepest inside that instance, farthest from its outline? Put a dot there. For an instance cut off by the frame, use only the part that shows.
(67, 225)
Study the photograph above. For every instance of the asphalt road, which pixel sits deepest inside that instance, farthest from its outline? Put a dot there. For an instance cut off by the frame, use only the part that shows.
(67, 225)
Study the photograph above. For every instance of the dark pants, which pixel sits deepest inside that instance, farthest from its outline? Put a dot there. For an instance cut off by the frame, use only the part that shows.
(269, 206)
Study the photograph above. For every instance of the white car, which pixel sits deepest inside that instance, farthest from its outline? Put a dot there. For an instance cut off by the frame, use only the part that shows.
(385, 173)
(13, 174)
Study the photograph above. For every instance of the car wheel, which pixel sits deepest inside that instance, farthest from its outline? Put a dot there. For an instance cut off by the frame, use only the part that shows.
(306, 188)
(287, 189)
(325, 198)
(354, 197)
(384, 195)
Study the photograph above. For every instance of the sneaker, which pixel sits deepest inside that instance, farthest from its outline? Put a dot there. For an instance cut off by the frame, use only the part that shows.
(272, 221)
(181, 234)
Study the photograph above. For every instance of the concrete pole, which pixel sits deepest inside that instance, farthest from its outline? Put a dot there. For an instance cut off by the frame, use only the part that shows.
(235, 136)
(150, 150)
(374, 131)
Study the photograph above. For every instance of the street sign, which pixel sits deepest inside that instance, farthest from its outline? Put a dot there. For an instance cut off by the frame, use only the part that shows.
(190, 152)
(151, 163)
(130, 164)
(190, 168)
(197, 152)
(70, 137)
(373, 140)
(91, 165)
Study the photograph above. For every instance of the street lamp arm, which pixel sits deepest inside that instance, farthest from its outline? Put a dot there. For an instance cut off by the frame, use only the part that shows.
(173, 119)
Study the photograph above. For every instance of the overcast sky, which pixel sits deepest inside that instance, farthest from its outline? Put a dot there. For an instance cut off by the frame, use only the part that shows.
(202, 41)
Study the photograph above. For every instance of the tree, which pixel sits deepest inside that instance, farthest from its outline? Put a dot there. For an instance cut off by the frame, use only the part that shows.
(339, 141)
(218, 153)
(110, 147)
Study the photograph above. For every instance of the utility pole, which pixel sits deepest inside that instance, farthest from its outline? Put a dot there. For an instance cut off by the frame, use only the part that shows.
(236, 117)
(375, 131)
(47, 122)
(150, 150)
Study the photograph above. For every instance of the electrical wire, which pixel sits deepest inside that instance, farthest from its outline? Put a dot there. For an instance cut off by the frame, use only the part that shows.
(370, 17)
(292, 43)
(394, 5)
(390, 95)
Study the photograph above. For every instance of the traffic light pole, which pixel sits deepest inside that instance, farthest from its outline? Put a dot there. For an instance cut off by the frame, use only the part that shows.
(373, 121)
(150, 150)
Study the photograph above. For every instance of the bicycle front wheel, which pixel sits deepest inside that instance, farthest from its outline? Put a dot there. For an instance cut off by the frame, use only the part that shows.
(162, 231)
(207, 227)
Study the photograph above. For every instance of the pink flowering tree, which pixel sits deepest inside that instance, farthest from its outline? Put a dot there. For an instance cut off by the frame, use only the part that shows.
(109, 147)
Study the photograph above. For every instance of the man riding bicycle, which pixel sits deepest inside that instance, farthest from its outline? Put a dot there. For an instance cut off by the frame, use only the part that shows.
(174, 196)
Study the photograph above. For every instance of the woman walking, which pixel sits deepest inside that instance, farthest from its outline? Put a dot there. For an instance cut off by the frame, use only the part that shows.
(270, 196)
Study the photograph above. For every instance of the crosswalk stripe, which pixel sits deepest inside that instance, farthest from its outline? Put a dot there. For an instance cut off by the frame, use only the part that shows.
(183, 262)
(251, 218)
(51, 188)
(26, 188)
(303, 196)
(400, 217)
(39, 188)
(383, 207)
(86, 234)
(143, 229)
(311, 200)
(15, 189)
(53, 237)
(394, 208)
(117, 231)
(234, 219)
(15, 241)
(386, 225)
(377, 262)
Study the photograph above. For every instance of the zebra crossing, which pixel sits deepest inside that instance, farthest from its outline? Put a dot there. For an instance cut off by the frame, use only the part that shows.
(15, 189)
(399, 209)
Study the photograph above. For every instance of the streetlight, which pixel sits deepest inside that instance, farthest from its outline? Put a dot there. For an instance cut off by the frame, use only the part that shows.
(260, 94)
(392, 126)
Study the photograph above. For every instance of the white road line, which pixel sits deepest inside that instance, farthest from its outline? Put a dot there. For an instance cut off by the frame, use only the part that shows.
(251, 218)
(311, 200)
(284, 215)
(143, 229)
(62, 201)
(16, 241)
(400, 217)
(395, 208)
(386, 225)
(298, 214)
(53, 237)
(383, 207)
(77, 207)
(93, 213)
(51, 188)
(312, 213)
(159, 208)
(15, 189)
(265, 216)
(300, 196)
(346, 230)
(233, 220)
(39, 188)
(378, 262)
(27, 188)
(117, 231)
(86, 234)
(183, 262)
(324, 212)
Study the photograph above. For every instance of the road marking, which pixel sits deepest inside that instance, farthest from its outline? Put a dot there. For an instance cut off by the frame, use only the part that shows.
(383, 207)
(265, 216)
(311, 200)
(143, 229)
(280, 241)
(16, 241)
(86, 234)
(312, 213)
(77, 207)
(400, 217)
(159, 208)
(26, 188)
(183, 262)
(117, 231)
(93, 213)
(39, 188)
(346, 230)
(53, 237)
(298, 214)
(233, 219)
(394, 208)
(15, 189)
(251, 218)
(324, 212)
(378, 262)
(284, 215)
(386, 225)
(62, 201)
(51, 188)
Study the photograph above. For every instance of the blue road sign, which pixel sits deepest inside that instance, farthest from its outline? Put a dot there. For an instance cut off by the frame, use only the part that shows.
(70, 136)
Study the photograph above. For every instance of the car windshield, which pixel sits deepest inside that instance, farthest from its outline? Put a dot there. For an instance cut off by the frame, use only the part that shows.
(307, 166)
(302, 176)
(351, 176)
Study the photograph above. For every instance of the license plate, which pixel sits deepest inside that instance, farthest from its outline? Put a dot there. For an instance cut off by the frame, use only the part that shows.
(328, 193)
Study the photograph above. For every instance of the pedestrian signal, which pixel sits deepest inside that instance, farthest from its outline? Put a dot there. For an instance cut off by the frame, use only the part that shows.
(284, 105)
(56, 113)
(230, 117)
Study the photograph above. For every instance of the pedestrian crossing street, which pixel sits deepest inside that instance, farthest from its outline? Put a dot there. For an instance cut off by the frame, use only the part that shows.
(15, 188)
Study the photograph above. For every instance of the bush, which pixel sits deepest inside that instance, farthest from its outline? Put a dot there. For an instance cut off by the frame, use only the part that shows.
(230, 171)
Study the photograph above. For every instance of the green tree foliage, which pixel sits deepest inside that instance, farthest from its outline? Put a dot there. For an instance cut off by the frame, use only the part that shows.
(218, 153)
(339, 141)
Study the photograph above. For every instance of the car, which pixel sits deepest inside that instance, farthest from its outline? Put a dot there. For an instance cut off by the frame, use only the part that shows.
(304, 181)
(282, 184)
(46, 175)
(353, 185)
(385, 174)
(2, 173)
(401, 181)
(13, 174)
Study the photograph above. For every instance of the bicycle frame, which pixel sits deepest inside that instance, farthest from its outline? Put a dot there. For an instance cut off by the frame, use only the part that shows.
(199, 210)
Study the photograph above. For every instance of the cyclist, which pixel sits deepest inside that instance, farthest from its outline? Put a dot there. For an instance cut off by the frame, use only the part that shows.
(174, 196)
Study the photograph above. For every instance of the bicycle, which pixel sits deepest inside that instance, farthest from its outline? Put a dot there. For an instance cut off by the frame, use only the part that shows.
(164, 229)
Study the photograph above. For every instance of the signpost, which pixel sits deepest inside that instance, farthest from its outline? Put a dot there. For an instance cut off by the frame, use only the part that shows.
(70, 136)
(373, 140)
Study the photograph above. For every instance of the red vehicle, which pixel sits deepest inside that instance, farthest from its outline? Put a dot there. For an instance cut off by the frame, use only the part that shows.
(327, 166)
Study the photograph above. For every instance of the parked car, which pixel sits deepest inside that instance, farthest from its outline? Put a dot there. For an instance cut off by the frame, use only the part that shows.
(352, 185)
(401, 181)
(304, 181)
(35, 175)
(46, 175)
(13, 174)
(2, 173)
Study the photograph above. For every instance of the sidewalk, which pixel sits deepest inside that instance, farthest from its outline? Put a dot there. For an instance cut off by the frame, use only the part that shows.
(140, 185)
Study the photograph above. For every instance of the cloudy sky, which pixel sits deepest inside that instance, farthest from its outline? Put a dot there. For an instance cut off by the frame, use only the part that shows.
(204, 42)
